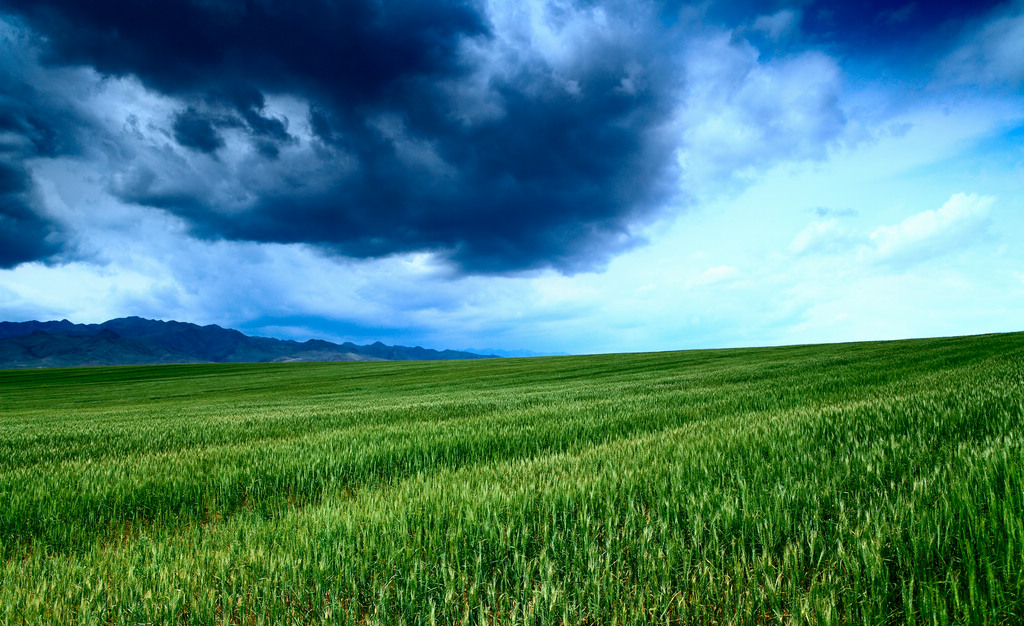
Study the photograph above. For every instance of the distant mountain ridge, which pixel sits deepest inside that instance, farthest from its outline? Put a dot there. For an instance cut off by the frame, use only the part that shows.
(136, 341)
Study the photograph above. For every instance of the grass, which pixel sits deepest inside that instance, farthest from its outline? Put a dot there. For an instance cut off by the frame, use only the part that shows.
(872, 483)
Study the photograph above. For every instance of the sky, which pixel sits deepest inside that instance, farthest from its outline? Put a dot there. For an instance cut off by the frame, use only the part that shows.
(563, 176)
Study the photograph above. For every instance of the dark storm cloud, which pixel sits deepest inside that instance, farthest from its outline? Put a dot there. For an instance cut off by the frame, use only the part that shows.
(29, 128)
(356, 48)
(430, 129)
(553, 176)
(195, 130)
(847, 24)
(23, 231)
(244, 110)
(251, 105)
(555, 179)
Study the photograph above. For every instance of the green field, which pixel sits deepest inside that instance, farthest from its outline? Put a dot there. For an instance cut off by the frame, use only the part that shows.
(873, 483)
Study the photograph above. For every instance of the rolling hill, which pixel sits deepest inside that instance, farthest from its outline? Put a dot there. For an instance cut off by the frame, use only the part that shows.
(137, 341)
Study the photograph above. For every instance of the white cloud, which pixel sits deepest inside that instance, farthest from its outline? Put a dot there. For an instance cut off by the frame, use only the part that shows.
(822, 237)
(741, 115)
(714, 275)
(992, 54)
(958, 223)
(778, 25)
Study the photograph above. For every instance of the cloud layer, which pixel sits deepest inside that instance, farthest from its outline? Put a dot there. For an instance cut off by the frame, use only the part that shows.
(498, 136)
(501, 138)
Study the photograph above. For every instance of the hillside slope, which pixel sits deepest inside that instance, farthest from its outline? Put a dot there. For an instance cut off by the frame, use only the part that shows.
(134, 340)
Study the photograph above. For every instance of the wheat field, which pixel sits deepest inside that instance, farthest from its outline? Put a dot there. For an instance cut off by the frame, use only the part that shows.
(867, 483)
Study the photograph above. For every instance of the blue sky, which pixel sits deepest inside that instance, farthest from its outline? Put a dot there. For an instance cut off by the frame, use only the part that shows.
(557, 177)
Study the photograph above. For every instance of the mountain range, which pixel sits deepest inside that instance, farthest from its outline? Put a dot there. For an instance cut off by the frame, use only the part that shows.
(136, 341)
